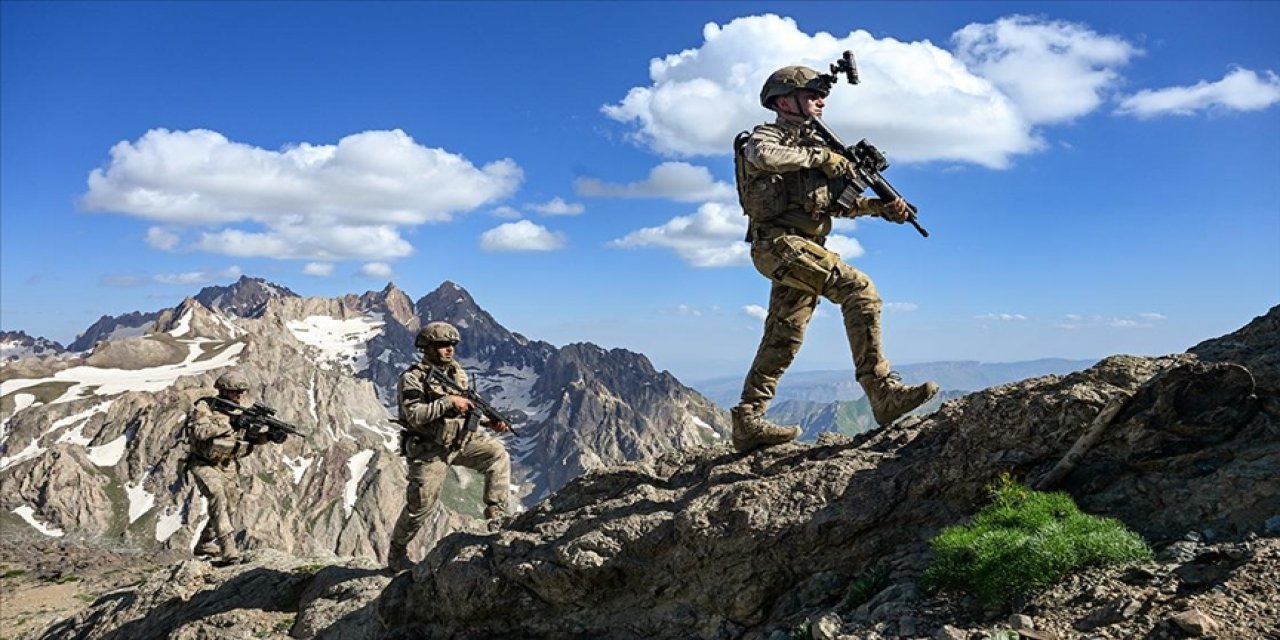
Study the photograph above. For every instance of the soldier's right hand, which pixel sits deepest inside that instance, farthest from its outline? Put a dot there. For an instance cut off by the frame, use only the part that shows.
(835, 165)
(463, 405)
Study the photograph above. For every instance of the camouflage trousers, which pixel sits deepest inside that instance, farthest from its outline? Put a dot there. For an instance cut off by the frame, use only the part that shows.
(427, 469)
(221, 487)
(800, 279)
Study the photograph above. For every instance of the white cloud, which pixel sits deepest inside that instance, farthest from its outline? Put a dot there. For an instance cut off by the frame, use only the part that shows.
(557, 207)
(687, 311)
(320, 269)
(198, 277)
(377, 270)
(1239, 90)
(507, 212)
(678, 181)
(901, 307)
(710, 237)
(917, 101)
(848, 248)
(163, 238)
(361, 190)
(1053, 71)
(755, 311)
(1152, 317)
(310, 242)
(521, 236)
(1003, 317)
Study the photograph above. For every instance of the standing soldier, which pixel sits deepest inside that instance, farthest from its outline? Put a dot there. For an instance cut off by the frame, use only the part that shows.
(217, 444)
(434, 438)
(786, 184)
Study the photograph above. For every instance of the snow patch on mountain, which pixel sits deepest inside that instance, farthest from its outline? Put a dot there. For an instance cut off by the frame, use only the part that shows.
(123, 332)
(140, 500)
(342, 342)
(32, 450)
(87, 380)
(298, 466)
(390, 436)
(357, 466)
(109, 454)
(27, 513)
(168, 523)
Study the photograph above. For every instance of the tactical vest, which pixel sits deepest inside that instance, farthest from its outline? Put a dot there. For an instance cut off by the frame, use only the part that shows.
(790, 203)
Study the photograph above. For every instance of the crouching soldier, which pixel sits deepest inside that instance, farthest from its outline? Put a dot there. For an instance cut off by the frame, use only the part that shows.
(217, 445)
(434, 438)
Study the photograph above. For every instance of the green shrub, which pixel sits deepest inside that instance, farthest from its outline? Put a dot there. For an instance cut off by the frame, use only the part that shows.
(1026, 540)
(866, 586)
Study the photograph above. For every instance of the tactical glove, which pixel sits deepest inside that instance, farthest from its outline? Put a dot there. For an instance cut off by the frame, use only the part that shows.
(835, 165)
(886, 211)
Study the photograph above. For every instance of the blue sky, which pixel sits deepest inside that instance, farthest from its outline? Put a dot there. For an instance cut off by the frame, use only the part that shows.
(1098, 178)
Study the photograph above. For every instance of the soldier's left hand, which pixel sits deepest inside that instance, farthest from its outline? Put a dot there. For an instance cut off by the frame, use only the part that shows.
(895, 211)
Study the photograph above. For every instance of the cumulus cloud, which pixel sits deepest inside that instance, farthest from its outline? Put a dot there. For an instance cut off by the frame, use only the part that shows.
(163, 238)
(521, 236)
(506, 212)
(318, 269)
(375, 270)
(1239, 90)
(310, 242)
(917, 101)
(679, 181)
(198, 277)
(557, 207)
(713, 237)
(710, 237)
(1053, 71)
(848, 248)
(316, 202)
(1003, 317)
(755, 311)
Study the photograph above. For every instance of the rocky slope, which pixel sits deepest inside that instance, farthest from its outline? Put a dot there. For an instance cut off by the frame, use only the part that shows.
(704, 543)
(15, 345)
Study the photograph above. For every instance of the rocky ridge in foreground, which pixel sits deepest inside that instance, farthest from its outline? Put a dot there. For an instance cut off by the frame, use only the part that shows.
(705, 543)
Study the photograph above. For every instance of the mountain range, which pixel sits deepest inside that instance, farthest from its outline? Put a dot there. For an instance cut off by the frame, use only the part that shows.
(104, 415)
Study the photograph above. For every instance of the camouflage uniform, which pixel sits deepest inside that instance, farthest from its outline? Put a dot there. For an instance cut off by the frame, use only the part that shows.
(790, 202)
(214, 462)
(435, 438)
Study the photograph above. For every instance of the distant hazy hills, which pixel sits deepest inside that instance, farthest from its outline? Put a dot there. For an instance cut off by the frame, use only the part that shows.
(820, 401)
(839, 385)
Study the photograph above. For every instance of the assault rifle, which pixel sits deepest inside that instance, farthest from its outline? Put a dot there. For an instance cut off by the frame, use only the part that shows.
(254, 420)
(479, 409)
(867, 160)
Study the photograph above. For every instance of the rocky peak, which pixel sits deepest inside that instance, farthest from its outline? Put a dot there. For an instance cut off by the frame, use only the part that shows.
(246, 297)
(482, 336)
(129, 325)
(393, 301)
(17, 344)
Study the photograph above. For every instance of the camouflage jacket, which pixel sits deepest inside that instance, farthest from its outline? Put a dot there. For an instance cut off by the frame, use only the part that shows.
(212, 437)
(425, 408)
(780, 186)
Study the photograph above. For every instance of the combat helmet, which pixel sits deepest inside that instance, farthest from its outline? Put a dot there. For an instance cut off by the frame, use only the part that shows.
(787, 79)
(437, 332)
(231, 381)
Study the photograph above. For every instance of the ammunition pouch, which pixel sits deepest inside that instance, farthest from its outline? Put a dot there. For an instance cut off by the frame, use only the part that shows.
(795, 261)
(220, 451)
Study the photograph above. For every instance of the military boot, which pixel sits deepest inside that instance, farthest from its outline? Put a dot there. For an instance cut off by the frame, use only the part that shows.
(398, 558)
(228, 553)
(751, 431)
(891, 399)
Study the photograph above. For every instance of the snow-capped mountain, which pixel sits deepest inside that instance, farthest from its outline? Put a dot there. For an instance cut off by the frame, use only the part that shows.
(108, 424)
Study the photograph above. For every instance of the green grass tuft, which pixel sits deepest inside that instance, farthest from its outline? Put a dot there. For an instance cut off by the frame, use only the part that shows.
(866, 586)
(1026, 540)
